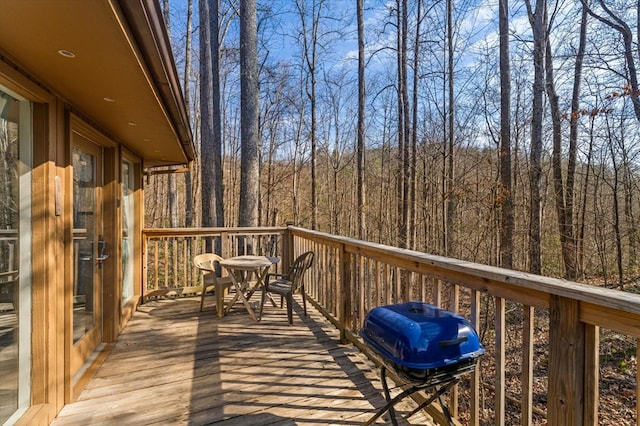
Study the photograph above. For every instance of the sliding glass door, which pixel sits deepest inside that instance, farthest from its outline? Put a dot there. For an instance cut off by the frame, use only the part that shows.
(15, 255)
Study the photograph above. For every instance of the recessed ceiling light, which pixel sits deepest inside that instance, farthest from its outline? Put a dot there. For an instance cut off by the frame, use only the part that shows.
(156, 151)
(66, 53)
(146, 140)
(132, 124)
(109, 99)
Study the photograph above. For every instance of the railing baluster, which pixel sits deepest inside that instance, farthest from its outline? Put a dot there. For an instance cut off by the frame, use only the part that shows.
(454, 307)
(165, 265)
(437, 296)
(156, 270)
(591, 374)
(174, 263)
(475, 376)
(378, 271)
(499, 404)
(527, 364)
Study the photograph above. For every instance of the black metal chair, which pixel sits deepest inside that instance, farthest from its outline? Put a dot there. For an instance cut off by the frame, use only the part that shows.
(287, 284)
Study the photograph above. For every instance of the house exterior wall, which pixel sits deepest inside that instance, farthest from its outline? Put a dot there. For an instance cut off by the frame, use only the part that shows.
(51, 354)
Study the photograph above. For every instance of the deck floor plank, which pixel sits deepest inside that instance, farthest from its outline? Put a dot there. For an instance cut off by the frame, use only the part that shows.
(176, 365)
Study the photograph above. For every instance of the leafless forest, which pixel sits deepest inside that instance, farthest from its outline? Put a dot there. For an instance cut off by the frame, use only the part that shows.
(504, 133)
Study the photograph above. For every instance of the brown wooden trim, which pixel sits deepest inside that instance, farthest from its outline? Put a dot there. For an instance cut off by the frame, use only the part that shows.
(37, 415)
(82, 382)
(145, 23)
(112, 267)
(44, 277)
(84, 129)
(12, 78)
(65, 335)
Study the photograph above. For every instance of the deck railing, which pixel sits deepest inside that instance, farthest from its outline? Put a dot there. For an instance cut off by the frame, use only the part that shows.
(168, 267)
(544, 337)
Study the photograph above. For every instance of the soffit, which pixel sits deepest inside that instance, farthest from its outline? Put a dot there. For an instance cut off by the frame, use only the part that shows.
(107, 65)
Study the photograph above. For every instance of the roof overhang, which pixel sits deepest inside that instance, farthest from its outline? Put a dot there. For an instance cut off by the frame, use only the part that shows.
(122, 75)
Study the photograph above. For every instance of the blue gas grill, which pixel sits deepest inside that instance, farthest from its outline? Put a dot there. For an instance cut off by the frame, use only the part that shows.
(428, 347)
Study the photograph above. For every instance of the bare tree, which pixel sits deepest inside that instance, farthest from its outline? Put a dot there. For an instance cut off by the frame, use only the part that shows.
(170, 178)
(538, 26)
(211, 170)
(361, 122)
(565, 228)
(249, 115)
(188, 220)
(614, 21)
(218, 170)
(450, 173)
(403, 126)
(309, 39)
(505, 194)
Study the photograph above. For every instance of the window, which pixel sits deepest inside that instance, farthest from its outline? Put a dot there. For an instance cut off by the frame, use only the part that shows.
(128, 228)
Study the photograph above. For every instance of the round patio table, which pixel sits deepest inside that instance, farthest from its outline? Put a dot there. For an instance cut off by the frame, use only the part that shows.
(240, 269)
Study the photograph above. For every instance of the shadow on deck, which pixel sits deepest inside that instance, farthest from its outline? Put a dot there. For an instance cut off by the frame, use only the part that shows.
(175, 365)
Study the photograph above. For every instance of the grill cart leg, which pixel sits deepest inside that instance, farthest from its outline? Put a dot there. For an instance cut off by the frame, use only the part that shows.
(387, 395)
(407, 392)
(439, 392)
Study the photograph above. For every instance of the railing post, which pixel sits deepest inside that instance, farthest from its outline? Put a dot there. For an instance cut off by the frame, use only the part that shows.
(145, 260)
(566, 362)
(287, 249)
(344, 293)
(591, 374)
(225, 242)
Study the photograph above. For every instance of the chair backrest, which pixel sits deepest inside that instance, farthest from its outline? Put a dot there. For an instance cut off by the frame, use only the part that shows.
(206, 261)
(298, 268)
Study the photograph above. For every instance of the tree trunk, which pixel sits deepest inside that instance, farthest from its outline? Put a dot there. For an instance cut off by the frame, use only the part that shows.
(616, 209)
(362, 234)
(402, 183)
(451, 190)
(249, 115)
(536, 19)
(573, 138)
(310, 43)
(505, 195)
(170, 179)
(210, 151)
(206, 117)
(565, 225)
(188, 219)
(218, 171)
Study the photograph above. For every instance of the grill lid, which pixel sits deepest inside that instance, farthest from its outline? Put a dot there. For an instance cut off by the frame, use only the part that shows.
(420, 336)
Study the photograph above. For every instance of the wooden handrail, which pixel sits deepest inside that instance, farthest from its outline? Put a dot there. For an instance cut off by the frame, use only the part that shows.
(521, 287)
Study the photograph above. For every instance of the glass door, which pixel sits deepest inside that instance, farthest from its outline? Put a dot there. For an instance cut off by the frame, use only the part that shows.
(15, 255)
(89, 250)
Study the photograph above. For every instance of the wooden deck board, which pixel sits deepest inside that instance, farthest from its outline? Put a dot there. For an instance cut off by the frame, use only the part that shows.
(175, 365)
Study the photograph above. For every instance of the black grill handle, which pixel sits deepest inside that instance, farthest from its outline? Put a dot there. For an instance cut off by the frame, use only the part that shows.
(453, 342)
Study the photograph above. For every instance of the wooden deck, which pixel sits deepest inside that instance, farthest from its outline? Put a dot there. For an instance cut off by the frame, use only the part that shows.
(175, 365)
